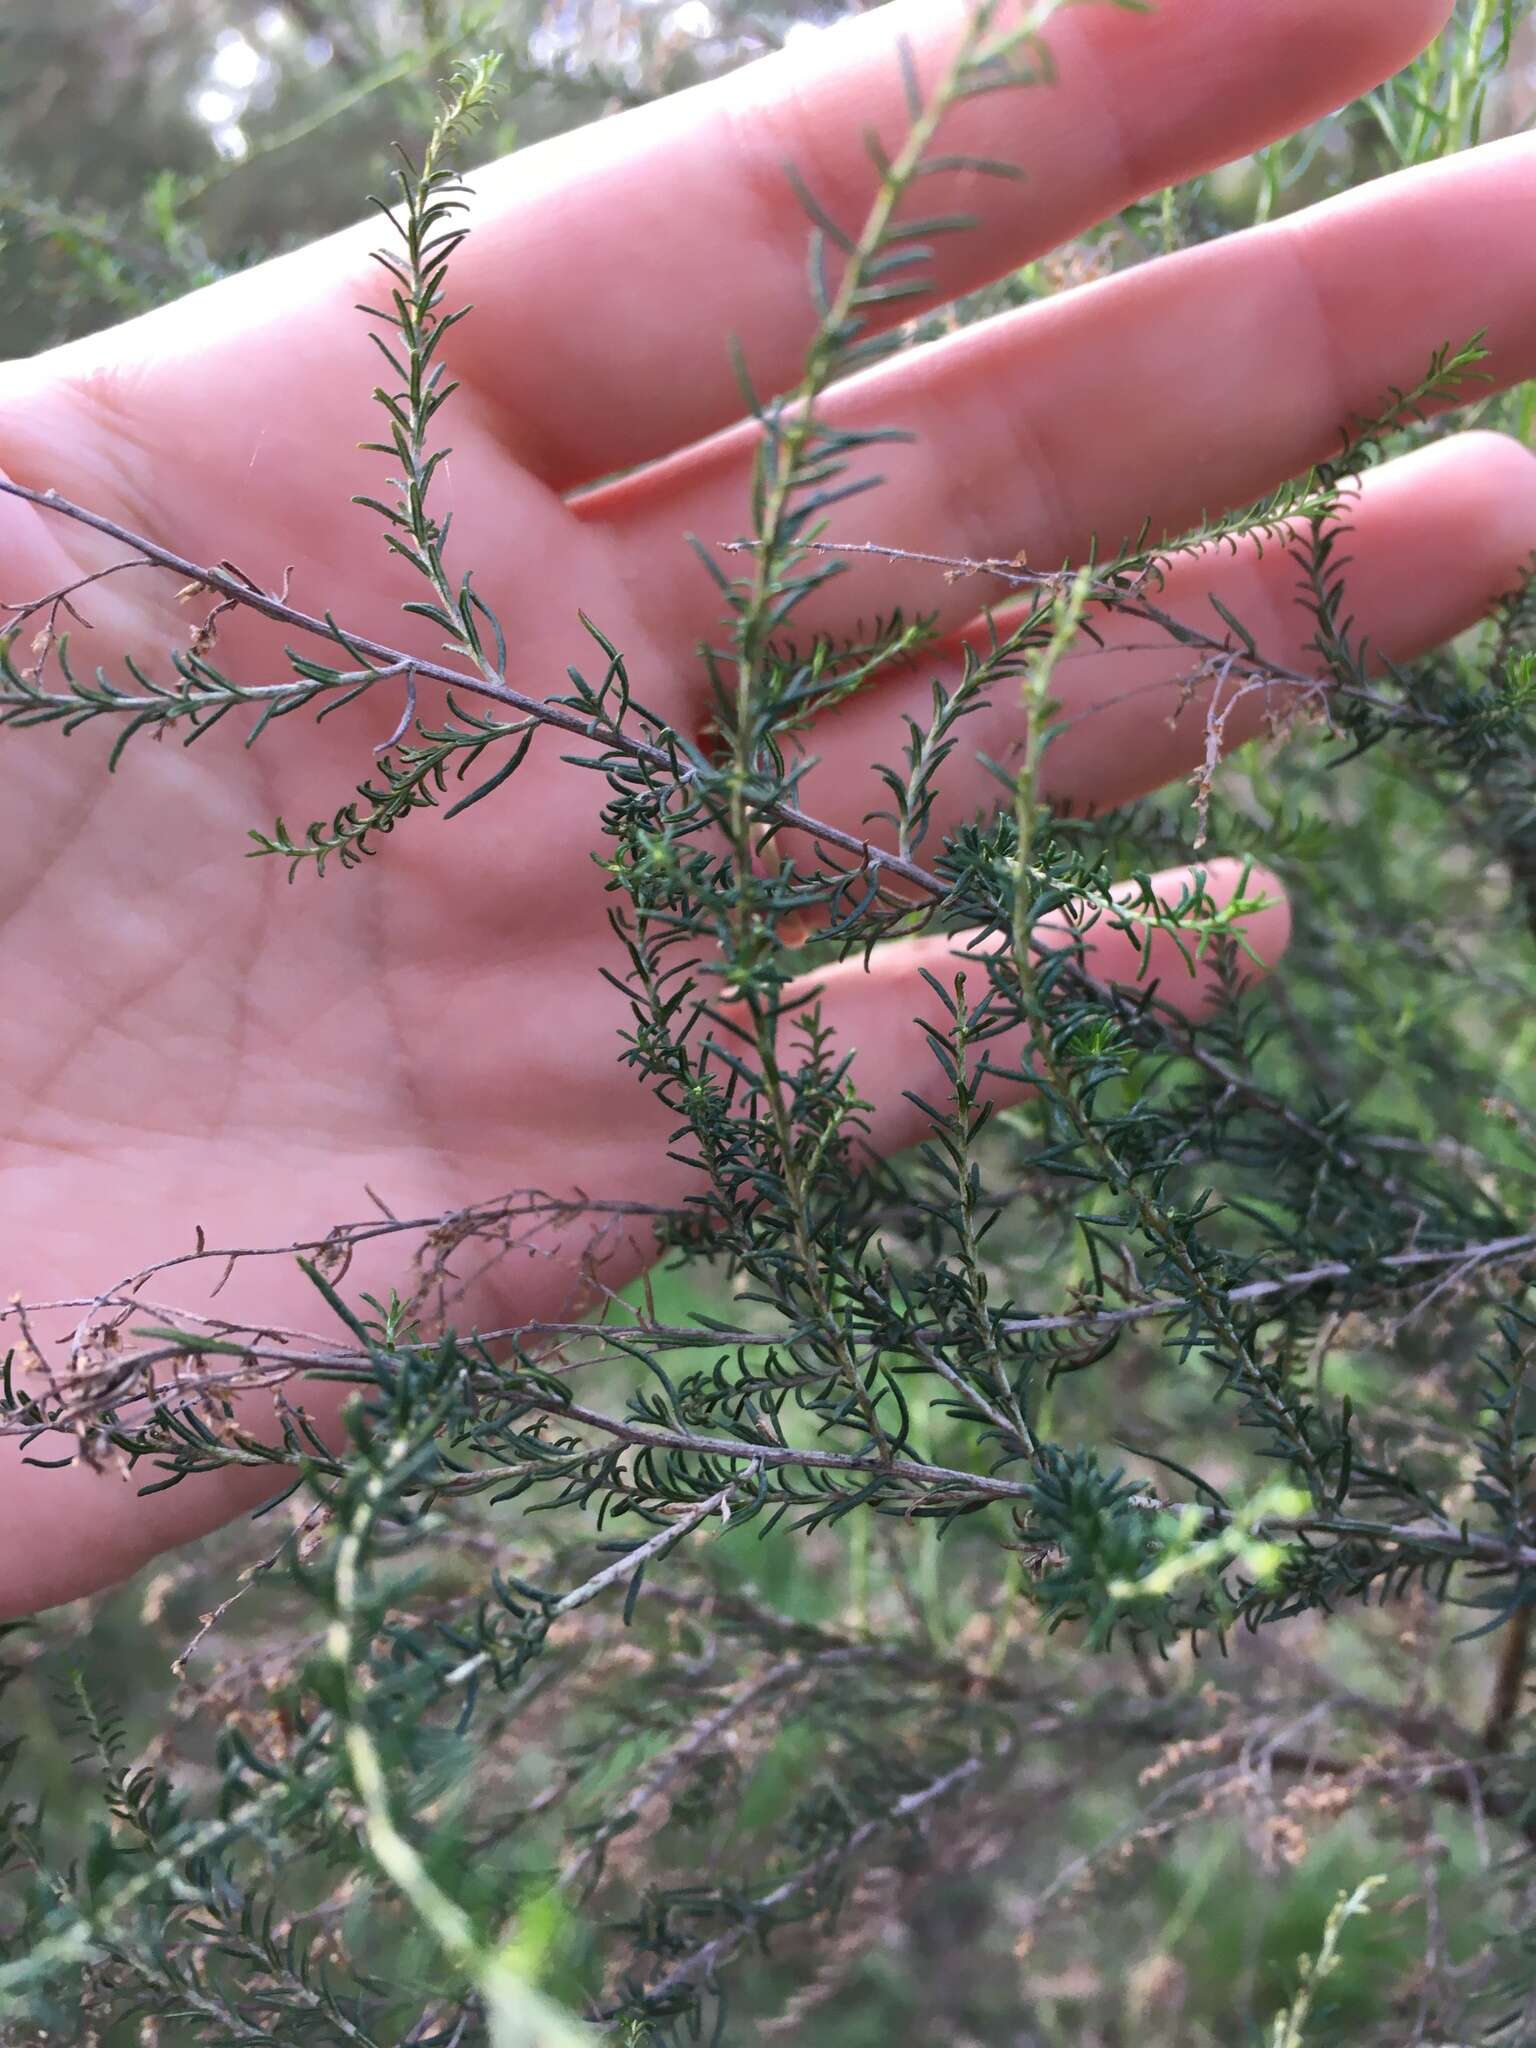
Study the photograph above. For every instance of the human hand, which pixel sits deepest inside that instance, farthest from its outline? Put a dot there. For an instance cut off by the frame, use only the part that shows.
(185, 1042)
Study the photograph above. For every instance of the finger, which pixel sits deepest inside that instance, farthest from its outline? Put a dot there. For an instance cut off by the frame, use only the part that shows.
(682, 214)
(1436, 538)
(872, 1010)
(609, 267)
(1183, 388)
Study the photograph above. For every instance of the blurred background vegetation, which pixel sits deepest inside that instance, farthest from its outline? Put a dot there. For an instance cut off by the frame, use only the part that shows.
(1162, 1846)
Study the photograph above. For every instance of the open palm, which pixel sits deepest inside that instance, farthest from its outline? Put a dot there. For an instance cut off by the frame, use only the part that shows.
(186, 1042)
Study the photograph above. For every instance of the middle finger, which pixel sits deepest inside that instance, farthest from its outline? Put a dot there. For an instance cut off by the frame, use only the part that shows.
(1174, 391)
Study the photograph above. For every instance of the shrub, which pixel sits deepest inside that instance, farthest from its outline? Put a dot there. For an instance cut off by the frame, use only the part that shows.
(1113, 1503)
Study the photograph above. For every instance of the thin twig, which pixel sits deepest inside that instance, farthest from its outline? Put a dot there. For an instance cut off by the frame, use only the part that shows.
(873, 859)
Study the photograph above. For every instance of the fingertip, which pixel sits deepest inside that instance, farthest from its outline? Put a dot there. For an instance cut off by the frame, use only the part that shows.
(1440, 536)
(1408, 27)
(1361, 42)
(1495, 475)
(1385, 35)
(1265, 929)
(1189, 977)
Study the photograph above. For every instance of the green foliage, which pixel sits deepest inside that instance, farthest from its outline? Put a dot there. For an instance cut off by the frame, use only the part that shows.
(1126, 1365)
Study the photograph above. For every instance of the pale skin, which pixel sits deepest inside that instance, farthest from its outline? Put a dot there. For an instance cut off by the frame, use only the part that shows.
(185, 1041)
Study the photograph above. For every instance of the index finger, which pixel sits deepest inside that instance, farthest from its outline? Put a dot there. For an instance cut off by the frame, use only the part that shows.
(608, 267)
(641, 243)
